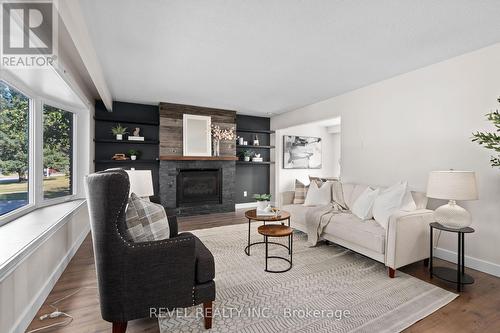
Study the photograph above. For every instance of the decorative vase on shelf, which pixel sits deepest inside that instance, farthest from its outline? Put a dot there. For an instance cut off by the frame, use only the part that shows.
(216, 148)
(119, 137)
(133, 157)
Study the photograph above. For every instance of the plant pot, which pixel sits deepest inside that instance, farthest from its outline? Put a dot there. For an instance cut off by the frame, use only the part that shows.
(246, 158)
(261, 205)
(133, 157)
(119, 137)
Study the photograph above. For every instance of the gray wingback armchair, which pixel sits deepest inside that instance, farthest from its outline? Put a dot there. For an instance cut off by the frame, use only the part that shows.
(135, 280)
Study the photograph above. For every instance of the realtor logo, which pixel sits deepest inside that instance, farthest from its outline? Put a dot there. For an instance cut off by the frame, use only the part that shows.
(28, 33)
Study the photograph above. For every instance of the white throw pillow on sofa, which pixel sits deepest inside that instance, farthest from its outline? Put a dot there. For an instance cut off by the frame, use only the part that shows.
(363, 205)
(388, 202)
(317, 196)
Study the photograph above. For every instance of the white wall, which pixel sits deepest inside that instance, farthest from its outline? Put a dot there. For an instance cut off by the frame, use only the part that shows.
(330, 147)
(406, 126)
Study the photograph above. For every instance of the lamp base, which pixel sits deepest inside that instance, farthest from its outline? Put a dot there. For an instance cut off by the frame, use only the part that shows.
(453, 216)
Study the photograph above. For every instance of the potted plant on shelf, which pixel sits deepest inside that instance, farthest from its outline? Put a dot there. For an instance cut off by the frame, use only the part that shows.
(262, 201)
(133, 154)
(245, 155)
(118, 131)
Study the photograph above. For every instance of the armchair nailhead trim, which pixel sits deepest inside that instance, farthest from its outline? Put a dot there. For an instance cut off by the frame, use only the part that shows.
(192, 295)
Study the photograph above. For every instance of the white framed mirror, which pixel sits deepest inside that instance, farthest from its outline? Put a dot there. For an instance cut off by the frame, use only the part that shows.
(196, 135)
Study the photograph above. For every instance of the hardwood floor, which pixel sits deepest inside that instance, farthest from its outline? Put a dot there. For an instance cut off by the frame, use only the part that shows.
(476, 310)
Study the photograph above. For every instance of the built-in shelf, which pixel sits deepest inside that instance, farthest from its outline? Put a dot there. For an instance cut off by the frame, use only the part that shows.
(145, 142)
(138, 122)
(254, 147)
(245, 162)
(254, 131)
(198, 158)
(126, 161)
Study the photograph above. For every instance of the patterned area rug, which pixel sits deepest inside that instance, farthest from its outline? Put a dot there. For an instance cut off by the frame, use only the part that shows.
(329, 289)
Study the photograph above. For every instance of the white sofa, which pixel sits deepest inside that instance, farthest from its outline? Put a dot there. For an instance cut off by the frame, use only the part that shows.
(405, 241)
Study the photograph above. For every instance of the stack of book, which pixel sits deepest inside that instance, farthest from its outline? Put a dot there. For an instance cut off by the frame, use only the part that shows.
(135, 138)
(257, 159)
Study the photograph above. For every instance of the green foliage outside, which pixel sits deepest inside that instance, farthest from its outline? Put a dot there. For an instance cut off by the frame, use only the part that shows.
(13, 132)
(14, 140)
(491, 140)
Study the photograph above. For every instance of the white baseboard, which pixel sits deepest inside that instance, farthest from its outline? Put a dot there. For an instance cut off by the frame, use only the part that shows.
(470, 262)
(42, 295)
(248, 205)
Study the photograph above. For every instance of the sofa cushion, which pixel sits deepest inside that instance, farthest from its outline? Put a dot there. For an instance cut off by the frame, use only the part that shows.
(363, 205)
(318, 195)
(368, 233)
(352, 192)
(300, 192)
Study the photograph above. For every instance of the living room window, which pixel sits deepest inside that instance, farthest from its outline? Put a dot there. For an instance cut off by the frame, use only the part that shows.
(14, 149)
(57, 152)
(37, 140)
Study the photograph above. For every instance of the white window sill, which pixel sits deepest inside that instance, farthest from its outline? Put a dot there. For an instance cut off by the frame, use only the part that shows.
(21, 236)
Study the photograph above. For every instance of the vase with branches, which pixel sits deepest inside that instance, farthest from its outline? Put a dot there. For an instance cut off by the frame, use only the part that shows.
(491, 140)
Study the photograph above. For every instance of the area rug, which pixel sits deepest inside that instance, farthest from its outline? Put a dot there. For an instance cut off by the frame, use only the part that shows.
(329, 289)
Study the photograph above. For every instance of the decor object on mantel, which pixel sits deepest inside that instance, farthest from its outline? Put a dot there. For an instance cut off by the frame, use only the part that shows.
(263, 203)
(491, 140)
(452, 185)
(133, 153)
(135, 136)
(118, 131)
(119, 157)
(221, 134)
(301, 152)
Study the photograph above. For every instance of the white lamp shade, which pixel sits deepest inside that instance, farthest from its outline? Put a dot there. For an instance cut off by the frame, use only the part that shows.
(141, 182)
(452, 185)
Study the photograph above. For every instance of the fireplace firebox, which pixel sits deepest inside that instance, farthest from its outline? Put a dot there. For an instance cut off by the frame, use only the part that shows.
(199, 187)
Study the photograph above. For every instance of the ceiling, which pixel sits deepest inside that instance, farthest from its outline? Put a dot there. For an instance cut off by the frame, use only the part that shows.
(266, 57)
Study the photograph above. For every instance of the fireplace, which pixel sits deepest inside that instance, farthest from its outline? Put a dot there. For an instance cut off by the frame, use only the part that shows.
(196, 187)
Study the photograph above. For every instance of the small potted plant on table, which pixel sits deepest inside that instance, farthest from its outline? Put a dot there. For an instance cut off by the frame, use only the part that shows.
(263, 201)
(118, 131)
(133, 154)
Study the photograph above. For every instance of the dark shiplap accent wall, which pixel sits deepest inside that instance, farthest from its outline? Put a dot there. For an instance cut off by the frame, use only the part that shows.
(253, 178)
(171, 126)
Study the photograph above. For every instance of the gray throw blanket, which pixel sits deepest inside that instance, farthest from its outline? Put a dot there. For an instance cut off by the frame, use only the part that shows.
(317, 219)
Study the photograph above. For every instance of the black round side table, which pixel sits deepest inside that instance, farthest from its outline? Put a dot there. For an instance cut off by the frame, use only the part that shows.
(458, 275)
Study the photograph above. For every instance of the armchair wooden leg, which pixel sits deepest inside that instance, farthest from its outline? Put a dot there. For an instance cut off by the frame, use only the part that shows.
(119, 327)
(207, 313)
(392, 272)
(426, 262)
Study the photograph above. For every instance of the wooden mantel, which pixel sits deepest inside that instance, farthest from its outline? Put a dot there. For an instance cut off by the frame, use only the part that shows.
(197, 158)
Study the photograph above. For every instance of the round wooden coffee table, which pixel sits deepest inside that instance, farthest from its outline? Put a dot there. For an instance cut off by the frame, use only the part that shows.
(251, 215)
(277, 230)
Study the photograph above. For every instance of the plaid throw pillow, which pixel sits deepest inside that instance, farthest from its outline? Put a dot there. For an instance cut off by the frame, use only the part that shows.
(146, 221)
(300, 192)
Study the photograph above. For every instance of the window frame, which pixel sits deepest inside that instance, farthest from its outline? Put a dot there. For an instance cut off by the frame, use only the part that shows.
(35, 152)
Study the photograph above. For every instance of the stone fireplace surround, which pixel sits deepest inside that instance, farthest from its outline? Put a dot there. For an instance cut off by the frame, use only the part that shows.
(168, 184)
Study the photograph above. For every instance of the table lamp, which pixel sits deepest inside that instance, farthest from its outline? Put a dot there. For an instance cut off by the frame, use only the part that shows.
(141, 182)
(454, 186)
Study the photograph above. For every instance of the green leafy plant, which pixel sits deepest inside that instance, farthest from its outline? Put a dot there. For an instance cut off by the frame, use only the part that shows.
(491, 140)
(119, 129)
(245, 153)
(262, 197)
(135, 152)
